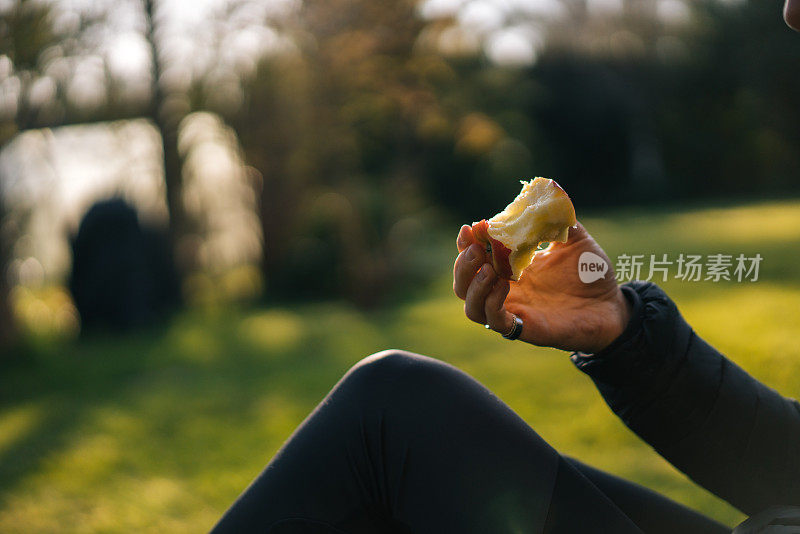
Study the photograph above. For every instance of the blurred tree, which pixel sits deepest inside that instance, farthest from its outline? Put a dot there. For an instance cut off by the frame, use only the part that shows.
(727, 109)
(337, 130)
(699, 108)
(32, 38)
(25, 33)
(34, 47)
(272, 126)
(638, 106)
(167, 117)
(587, 110)
(8, 330)
(34, 44)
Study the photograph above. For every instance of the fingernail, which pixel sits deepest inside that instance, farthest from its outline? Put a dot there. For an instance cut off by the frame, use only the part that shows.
(482, 273)
(470, 255)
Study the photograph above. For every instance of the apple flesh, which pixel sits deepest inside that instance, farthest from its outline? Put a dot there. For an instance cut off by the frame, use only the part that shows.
(542, 212)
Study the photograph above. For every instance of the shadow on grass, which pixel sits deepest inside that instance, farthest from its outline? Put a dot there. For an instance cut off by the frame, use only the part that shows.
(65, 382)
(181, 396)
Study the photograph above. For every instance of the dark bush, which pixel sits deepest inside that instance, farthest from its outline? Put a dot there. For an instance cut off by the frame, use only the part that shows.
(122, 275)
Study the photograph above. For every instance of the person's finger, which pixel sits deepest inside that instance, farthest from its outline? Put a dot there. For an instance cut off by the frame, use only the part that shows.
(494, 309)
(465, 238)
(477, 292)
(466, 265)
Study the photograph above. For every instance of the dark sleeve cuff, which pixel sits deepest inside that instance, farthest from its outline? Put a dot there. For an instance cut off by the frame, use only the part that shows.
(634, 324)
(640, 363)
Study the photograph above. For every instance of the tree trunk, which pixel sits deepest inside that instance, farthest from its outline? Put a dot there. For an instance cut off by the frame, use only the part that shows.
(167, 124)
(8, 325)
(8, 330)
(276, 208)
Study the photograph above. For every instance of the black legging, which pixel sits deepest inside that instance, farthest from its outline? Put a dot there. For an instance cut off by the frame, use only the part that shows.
(408, 444)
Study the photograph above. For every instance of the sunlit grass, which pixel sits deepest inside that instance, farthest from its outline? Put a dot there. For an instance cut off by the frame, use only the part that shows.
(160, 431)
(16, 422)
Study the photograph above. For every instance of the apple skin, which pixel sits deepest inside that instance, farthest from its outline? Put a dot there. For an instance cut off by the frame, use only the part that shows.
(572, 206)
(498, 252)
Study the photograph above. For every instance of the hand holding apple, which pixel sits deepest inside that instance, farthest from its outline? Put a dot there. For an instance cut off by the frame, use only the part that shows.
(557, 308)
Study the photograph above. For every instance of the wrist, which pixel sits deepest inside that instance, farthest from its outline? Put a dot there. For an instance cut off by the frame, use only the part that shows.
(625, 310)
(620, 318)
(655, 339)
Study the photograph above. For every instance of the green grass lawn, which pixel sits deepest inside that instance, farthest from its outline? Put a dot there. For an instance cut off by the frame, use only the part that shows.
(160, 432)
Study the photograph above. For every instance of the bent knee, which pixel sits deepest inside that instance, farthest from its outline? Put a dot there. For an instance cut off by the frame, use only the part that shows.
(384, 360)
(398, 372)
(387, 364)
(393, 370)
(414, 388)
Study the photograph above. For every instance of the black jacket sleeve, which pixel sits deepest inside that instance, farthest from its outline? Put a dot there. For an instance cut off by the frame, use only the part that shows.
(728, 432)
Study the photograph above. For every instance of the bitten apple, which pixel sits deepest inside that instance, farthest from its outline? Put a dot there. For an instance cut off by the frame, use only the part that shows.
(542, 212)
